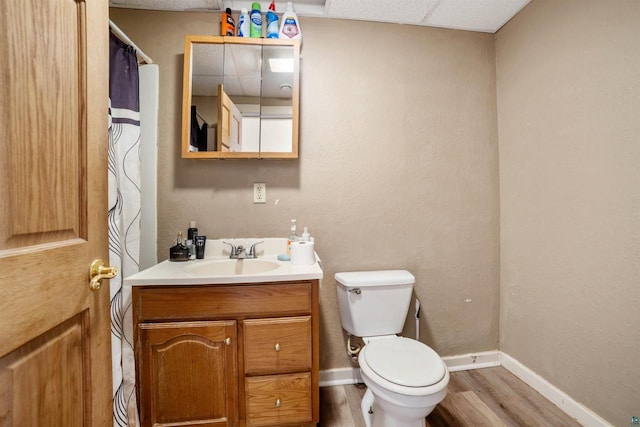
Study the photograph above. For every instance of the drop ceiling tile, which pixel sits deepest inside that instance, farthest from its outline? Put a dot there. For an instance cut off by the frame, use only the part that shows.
(474, 15)
(406, 12)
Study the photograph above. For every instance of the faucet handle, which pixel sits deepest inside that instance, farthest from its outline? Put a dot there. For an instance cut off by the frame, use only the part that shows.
(252, 249)
(234, 249)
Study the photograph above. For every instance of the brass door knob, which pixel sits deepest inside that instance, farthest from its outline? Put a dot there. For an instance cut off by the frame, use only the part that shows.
(99, 271)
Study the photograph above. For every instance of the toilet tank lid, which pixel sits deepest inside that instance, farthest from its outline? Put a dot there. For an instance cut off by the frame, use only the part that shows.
(375, 278)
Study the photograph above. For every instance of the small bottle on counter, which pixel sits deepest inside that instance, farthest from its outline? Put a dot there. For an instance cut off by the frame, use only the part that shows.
(179, 252)
(305, 237)
(293, 236)
(192, 232)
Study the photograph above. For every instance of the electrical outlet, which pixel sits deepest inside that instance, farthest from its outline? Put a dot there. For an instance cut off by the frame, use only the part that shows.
(259, 192)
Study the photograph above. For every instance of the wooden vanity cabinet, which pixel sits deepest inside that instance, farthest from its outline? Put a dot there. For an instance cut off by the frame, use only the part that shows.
(227, 355)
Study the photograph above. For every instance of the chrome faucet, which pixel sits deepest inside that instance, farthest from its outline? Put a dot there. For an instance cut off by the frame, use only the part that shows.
(240, 252)
(252, 250)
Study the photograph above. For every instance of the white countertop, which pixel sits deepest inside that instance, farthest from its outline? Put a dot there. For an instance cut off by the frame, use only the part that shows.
(179, 273)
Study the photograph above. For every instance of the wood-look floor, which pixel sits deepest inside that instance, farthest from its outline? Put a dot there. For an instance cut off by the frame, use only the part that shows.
(489, 397)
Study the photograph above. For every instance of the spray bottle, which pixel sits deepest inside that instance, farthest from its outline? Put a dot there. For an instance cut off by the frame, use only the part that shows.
(243, 23)
(256, 21)
(272, 21)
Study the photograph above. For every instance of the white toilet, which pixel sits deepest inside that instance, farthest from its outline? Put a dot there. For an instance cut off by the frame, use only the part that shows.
(405, 378)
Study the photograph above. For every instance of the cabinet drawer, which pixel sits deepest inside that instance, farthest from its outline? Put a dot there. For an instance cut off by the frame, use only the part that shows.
(273, 346)
(278, 399)
(219, 302)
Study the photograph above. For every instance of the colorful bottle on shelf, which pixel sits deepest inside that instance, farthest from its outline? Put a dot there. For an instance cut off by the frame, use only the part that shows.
(272, 21)
(290, 26)
(256, 21)
(243, 23)
(227, 24)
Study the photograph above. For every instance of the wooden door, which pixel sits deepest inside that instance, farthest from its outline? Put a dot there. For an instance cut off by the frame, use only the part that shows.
(229, 123)
(188, 373)
(54, 331)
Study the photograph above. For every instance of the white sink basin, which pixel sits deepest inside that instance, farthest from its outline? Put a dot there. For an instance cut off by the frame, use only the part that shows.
(232, 267)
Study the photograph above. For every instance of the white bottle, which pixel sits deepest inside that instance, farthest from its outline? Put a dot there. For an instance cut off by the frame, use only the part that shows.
(293, 236)
(243, 23)
(290, 26)
(305, 235)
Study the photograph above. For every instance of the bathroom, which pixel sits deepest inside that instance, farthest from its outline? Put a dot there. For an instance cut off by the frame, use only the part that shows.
(500, 169)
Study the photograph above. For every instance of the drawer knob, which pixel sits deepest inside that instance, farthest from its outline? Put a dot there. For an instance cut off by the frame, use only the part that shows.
(277, 346)
(278, 403)
(227, 341)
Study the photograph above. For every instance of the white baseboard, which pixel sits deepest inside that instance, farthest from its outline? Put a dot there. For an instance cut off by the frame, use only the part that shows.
(343, 376)
(574, 409)
(465, 362)
(586, 417)
(340, 376)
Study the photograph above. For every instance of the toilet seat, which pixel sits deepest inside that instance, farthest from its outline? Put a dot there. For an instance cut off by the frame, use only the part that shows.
(403, 365)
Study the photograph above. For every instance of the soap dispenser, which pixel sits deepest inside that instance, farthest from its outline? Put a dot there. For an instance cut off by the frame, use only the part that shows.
(305, 237)
(293, 236)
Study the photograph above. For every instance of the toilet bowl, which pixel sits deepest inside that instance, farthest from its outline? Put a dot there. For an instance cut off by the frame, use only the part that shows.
(405, 378)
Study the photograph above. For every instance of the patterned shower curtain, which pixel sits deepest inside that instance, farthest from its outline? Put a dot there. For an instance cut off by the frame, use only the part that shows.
(124, 220)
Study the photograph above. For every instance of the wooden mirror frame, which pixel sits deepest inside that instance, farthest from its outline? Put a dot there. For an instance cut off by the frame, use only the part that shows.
(190, 40)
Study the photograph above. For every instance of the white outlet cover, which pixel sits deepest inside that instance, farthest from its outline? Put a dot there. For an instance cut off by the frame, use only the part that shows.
(259, 192)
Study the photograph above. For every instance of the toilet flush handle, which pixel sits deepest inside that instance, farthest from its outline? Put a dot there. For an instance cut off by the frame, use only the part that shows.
(356, 291)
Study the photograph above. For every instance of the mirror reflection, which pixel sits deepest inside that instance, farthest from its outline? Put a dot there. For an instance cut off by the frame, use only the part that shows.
(243, 100)
(207, 75)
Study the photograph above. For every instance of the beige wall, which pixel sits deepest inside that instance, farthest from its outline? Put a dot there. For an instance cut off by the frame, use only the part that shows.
(568, 76)
(398, 167)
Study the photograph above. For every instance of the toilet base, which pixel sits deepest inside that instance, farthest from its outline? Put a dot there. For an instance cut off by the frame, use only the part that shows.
(375, 416)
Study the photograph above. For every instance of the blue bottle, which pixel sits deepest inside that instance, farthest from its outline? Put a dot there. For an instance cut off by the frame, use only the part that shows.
(272, 21)
(243, 23)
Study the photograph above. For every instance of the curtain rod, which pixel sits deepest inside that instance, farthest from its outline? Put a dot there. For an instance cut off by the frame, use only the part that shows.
(122, 36)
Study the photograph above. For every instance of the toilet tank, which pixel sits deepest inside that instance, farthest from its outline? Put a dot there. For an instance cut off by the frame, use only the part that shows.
(374, 303)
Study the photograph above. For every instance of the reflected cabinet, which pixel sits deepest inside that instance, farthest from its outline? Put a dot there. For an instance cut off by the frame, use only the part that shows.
(240, 98)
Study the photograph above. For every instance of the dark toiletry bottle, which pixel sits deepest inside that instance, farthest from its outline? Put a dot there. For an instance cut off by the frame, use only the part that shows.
(179, 252)
(200, 243)
(192, 232)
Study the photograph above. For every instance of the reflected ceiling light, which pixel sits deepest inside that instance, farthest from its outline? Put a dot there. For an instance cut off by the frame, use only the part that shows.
(281, 65)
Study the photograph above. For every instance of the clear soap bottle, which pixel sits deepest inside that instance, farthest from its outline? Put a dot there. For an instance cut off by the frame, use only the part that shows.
(293, 236)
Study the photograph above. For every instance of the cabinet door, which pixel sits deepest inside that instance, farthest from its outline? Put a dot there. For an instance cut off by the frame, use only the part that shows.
(188, 373)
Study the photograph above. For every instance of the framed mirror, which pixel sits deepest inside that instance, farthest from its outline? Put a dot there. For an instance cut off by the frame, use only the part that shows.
(240, 98)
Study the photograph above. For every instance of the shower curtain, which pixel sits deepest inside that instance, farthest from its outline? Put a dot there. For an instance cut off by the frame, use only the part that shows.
(124, 220)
